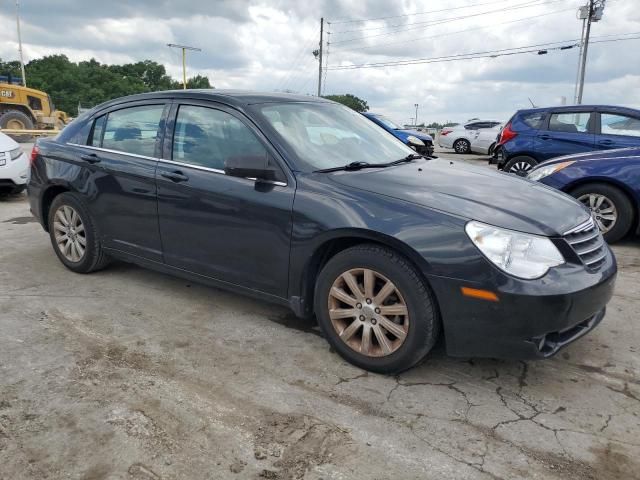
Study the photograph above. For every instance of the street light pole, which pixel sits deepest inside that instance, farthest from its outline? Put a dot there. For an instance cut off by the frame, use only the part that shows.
(594, 10)
(416, 122)
(184, 60)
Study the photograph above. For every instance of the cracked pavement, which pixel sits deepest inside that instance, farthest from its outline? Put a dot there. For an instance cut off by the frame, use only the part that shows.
(127, 373)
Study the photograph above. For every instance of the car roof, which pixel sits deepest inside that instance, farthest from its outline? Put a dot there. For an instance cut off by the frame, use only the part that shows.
(582, 108)
(231, 97)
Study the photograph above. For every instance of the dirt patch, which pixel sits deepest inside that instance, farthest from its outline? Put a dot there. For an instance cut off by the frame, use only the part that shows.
(299, 443)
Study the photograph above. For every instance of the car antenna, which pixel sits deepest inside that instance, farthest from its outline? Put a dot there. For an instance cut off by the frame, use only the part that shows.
(533, 105)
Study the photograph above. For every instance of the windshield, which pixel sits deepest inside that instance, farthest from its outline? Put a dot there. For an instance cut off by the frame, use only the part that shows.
(326, 135)
(388, 123)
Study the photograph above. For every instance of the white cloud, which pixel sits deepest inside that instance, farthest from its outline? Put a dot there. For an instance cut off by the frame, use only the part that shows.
(264, 45)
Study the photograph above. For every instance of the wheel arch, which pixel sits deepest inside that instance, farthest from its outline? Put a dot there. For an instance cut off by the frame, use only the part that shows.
(339, 241)
(47, 199)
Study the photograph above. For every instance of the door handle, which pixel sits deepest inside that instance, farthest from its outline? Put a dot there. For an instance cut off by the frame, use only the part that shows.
(606, 142)
(90, 157)
(176, 176)
(545, 137)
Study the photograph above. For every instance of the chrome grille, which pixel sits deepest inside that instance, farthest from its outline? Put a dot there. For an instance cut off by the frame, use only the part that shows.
(588, 244)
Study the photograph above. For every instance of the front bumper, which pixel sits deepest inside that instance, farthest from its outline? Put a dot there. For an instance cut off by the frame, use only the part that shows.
(532, 319)
(426, 150)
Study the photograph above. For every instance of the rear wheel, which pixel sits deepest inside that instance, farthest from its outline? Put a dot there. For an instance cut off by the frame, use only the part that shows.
(610, 207)
(74, 235)
(375, 310)
(462, 146)
(520, 166)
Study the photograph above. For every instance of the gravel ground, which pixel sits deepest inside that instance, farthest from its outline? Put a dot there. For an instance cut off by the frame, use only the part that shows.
(127, 373)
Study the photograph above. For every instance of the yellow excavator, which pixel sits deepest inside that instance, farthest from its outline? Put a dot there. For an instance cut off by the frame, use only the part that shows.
(23, 108)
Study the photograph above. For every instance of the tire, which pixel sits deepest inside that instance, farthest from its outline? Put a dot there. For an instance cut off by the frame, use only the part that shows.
(420, 324)
(462, 146)
(17, 119)
(491, 149)
(93, 257)
(520, 166)
(606, 202)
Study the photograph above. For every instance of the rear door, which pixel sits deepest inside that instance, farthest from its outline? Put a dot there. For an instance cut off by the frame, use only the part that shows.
(566, 133)
(121, 155)
(617, 130)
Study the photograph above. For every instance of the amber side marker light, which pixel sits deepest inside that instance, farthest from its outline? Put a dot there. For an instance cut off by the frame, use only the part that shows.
(478, 293)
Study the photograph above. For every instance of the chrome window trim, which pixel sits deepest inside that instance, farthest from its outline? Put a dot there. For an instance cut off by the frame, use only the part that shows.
(173, 162)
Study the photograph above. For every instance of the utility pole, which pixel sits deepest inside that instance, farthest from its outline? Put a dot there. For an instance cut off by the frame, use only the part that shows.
(24, 76)
(590, 13)
(416, 122)
(184, 60)
(320, 57)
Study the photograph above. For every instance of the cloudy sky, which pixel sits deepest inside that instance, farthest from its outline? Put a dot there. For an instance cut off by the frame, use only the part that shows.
(267, 45)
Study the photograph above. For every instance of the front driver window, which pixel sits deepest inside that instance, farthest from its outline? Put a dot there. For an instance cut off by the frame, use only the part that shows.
(208, 137)
(619, 125)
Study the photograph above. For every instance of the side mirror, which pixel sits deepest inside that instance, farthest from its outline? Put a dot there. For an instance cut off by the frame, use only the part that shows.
(249, 166)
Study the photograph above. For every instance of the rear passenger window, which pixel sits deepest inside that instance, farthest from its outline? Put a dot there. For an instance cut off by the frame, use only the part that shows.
(612, 124)
(208, 137)
(533, 120)
(133, 130)
(570, 122)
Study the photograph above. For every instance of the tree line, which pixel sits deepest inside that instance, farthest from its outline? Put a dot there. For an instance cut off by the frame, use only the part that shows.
(90, 82)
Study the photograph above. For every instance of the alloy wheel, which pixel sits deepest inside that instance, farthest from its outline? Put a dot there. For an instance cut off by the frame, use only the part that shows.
(520, 168)
(368, 312)
(460, 147)
(603, 210)
(69, 233)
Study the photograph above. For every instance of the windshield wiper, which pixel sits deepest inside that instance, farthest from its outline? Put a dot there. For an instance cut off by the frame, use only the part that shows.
(353, 166)
(360, 165)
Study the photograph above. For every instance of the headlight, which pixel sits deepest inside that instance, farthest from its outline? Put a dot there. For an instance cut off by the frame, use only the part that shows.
(14, 154)
(519, 254)
(415, 141)
(545, 171)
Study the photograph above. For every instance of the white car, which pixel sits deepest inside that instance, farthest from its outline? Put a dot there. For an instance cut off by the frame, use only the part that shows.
(459, 137)
(14, 166)
(485, 139)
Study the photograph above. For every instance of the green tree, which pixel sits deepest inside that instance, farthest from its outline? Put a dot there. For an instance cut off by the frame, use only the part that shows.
(351, 101)
(91, 82)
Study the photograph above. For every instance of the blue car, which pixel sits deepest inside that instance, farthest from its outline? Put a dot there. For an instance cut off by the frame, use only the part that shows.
(420, 142)
(535, 135)
(607, 182)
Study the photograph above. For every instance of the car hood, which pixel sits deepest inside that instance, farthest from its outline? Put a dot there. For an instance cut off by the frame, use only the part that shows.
(471, 192)
(415, 133)
(597, 155)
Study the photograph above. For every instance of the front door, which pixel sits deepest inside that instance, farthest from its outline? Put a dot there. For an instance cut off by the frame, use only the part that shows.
(618, 131)
(566, 134)
(232, 229)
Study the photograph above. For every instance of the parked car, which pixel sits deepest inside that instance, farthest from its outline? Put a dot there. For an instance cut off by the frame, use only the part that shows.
(607, 182)
(419, 141)
(387, 248)
(535, 135)
(14, 166)
(459, 137)
(485, 140)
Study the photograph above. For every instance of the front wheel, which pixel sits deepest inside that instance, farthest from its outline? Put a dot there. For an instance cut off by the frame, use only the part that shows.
(520, 166)
(74, 235)
(610, 207)
(375, 310)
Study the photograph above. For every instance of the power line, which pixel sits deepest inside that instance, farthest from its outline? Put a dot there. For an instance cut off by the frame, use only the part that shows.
(290, 70)
(446, 34)
(414, 14)
(483, 54)
(447, 20)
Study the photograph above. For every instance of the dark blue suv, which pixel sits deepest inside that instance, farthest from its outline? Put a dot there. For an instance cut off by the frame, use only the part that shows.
(535, 135)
